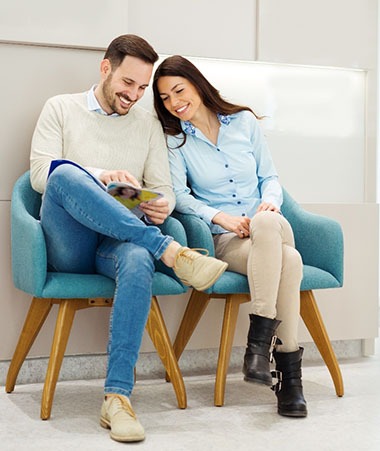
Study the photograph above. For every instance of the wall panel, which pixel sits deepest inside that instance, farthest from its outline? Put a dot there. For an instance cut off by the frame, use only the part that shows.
(83, 23)
(37, 74)
(324, 32)
(216, 28)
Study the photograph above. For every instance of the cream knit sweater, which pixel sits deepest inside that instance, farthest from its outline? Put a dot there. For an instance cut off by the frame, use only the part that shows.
(134, 142)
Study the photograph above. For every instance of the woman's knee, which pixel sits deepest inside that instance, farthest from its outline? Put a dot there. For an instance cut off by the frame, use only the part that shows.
(271, 224)
(292, 263)
(267, 221)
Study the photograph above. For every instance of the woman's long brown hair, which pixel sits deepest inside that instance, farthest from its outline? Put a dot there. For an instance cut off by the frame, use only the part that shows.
(178, 66)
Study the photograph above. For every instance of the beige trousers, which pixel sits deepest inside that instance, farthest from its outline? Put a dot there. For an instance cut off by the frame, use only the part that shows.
(274, 270)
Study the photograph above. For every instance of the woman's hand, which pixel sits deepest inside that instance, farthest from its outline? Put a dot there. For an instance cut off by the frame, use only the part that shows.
(236, 224)
(118, 176)
(156, 211)
(266, 206)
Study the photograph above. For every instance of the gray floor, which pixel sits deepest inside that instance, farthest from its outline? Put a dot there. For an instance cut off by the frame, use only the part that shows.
(248, 421)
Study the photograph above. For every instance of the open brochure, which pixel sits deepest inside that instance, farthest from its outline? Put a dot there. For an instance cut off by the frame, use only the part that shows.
(127, 194)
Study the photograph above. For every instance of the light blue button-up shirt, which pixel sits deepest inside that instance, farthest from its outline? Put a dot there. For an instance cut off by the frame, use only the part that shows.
(233, 176)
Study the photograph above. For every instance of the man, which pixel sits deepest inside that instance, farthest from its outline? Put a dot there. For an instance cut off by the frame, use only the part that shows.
(87, 230)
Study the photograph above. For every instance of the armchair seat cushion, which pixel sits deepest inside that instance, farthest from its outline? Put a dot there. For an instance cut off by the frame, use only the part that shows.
(67, 286)
(228, 282)
(313, 279)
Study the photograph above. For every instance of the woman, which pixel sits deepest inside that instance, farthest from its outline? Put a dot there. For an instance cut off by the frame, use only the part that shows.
(222, 171)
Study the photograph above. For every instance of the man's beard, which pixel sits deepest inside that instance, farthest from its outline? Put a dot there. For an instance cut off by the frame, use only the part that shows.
(112, 98)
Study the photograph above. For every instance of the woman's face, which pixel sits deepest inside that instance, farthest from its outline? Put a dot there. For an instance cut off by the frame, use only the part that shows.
(179, 97)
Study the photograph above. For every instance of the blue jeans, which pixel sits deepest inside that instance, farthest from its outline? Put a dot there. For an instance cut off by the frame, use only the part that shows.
(86, 231)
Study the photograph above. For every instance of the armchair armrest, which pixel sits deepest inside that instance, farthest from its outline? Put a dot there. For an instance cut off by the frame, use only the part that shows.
(174, 228)
(318, 239)
(197, 231)
(29, 260)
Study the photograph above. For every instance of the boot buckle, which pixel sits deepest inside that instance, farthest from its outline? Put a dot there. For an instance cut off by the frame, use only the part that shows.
(271, 347)
(277, 375)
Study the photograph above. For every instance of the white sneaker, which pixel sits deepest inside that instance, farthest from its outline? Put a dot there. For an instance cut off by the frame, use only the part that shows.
(117, 414)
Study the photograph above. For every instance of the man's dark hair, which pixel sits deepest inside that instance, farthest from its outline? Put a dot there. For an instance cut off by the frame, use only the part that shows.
(132, 45)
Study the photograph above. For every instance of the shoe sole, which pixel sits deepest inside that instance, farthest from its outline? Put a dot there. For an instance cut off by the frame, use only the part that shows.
(106, 425)
(212, 281)
(295, 414)
(251, 380)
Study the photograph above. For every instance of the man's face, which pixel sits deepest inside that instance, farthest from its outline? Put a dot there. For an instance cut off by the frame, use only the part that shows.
(122, 88)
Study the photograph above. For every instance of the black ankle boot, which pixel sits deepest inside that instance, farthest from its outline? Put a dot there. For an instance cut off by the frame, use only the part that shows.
(290, 400)
(258, 355)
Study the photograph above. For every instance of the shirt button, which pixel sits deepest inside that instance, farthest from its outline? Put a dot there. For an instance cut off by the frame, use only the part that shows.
(238, 202)
(243, 214)
(233, 195)
(231, 181)
(226, 165)
(218, 149)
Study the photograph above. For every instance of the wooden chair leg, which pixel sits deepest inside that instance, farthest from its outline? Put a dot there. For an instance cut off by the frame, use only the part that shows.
(231, 311)
(38, 312)
(66, 313)
(195, 308)
(314, 323)
(160, 338)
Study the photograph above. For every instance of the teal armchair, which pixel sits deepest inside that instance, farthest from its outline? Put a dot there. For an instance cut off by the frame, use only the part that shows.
(320, 243)
(73, 292)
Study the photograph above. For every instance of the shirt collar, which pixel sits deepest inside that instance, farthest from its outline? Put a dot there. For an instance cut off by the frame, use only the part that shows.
(94, 105)
(189, 128)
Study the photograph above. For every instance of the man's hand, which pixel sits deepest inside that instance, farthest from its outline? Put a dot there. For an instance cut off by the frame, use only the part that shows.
(118, 176)
(156, 211)
(237, 224)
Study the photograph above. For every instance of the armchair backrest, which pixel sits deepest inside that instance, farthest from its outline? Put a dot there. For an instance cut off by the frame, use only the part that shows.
(197, 231)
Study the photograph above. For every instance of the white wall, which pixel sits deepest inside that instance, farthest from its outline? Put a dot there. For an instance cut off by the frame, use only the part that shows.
(89, 23)
(339, 33)
(213, 28)
(328, 33)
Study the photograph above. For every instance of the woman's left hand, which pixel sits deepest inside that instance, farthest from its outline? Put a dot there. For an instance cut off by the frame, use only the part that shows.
(237, 224)
(156, 211)
(266, 206)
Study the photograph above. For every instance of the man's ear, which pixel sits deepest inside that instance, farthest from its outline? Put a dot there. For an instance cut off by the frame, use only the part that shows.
(105, 68)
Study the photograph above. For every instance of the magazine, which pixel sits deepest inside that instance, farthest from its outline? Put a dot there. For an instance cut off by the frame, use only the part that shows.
(127, 194)
(130, 196)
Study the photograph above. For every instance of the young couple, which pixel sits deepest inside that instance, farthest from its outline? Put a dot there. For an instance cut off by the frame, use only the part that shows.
(87, 230)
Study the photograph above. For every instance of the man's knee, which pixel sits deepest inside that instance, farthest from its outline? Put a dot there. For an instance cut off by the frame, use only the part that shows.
(135, 256)
(65, 172)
